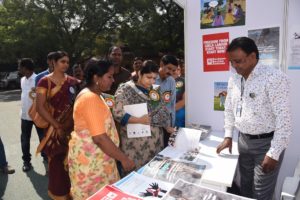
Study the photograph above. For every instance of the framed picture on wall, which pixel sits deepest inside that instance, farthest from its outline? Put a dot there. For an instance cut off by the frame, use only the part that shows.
(267, 41)
(220, 93)
(222, 13)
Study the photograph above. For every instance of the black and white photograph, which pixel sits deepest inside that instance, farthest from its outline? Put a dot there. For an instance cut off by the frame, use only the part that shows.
(169, 170)
(183, 190)
(267, 41)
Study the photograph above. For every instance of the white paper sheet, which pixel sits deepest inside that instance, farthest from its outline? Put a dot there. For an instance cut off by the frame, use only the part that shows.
(187, 139)
(171, 152)
(137, 130)
(180, 155)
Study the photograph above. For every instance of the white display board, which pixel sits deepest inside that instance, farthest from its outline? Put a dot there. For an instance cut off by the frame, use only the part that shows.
(200, 84)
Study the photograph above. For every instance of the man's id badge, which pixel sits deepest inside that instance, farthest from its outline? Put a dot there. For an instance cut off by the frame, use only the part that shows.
(239, 109)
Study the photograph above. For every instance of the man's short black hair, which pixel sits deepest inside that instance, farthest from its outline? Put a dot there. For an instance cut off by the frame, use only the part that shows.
(169, 59)
(244, 43)
(27, 63)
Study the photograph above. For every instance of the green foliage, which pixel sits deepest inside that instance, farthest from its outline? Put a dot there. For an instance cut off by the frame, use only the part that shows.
(32, 28)
(220, 2)
(153, 27)
(26, 32)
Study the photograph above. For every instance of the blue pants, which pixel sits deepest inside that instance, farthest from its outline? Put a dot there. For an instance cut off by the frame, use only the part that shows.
(26, 127)
(3, 162)
(180, 118)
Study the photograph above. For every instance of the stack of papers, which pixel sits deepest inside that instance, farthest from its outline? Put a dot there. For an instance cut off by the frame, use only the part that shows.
(187, 139)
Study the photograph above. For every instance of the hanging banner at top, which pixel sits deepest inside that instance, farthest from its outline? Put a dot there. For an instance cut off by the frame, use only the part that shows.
(223, 13)
(215, 57)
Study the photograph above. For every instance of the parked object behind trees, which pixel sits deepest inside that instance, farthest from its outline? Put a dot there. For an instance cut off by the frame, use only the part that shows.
(10, 80)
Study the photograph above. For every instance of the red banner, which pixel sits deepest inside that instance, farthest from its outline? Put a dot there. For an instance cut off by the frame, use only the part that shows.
(215, 57)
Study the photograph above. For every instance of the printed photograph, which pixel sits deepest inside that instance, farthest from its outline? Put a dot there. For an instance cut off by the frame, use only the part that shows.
(183, 190)
(169, 170)
(222, 13)
(143, 186)
(267, 41)
(220, 93)
(190, 155)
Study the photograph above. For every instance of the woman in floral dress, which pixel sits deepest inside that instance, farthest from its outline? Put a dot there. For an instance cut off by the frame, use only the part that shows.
(142, 149)
(93, 147)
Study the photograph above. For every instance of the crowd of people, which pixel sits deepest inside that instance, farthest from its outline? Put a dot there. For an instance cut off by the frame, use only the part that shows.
(85, 143)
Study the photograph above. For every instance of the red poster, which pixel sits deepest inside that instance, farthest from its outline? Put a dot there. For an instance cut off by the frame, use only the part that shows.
(215, 57)
(111, 193)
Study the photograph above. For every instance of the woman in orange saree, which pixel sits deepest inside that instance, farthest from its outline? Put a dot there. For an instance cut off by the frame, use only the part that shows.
(55, 144)
(93, 147)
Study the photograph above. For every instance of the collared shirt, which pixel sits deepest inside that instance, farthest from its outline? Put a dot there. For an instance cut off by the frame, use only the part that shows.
(40, 76)
(259, 105)
(26, 86)
(168, 93)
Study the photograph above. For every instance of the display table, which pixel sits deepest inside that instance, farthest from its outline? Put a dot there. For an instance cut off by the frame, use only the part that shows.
(218, 173)
(220, 169)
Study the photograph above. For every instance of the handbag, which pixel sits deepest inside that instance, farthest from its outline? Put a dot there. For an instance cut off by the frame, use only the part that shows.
(38, 120)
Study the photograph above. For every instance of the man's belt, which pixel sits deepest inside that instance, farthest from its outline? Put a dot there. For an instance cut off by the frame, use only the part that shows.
(259, 136)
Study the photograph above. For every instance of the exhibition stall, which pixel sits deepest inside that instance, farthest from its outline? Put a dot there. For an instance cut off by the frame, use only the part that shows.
(274, 27)
(209, 28)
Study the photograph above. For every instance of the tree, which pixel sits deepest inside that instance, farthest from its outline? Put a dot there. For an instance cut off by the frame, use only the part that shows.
(32, 28)
(78, 23)
(152, 27)
(26, 32)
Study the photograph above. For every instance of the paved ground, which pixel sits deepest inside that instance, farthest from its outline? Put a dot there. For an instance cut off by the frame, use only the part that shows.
(26, 186)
